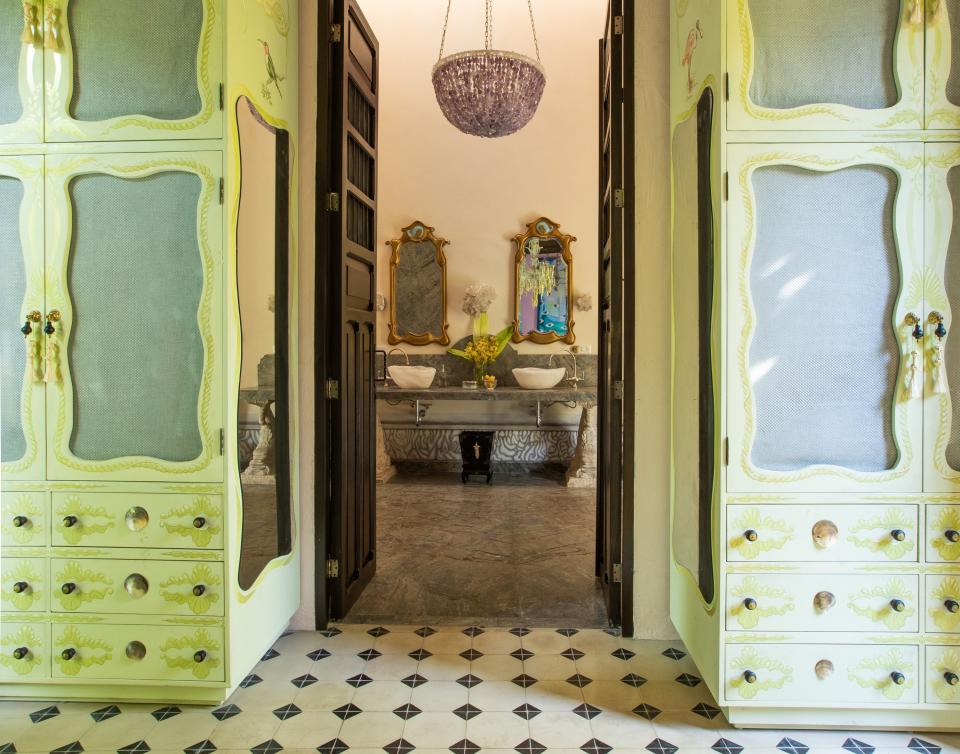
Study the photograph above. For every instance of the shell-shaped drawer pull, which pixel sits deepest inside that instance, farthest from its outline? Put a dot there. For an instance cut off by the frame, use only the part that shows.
(898, 678)
(68, 654)
(749, 676)
(20, 521)
(70, 521)
(199, 522)
(898, 605)
(898, 535)
(951, 606)
(750, 603)
(137, 518)
(20, 587)
(198, 590)
(135, 650)
(200, 655)
(824, 534)
(823, 669)
(952, 535)
(751, 535)
(823, 601)
(68, 588)
(136, 585)
(21, 653)
(951, 678)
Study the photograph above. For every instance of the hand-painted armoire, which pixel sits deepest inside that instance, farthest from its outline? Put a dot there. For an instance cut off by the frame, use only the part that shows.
(816, 440)
(148, 346)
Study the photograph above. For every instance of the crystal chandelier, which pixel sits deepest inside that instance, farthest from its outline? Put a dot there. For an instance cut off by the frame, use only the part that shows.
(488, 92)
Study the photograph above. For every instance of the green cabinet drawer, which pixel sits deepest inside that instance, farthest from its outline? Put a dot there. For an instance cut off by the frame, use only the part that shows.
(943, 603)
(943, 533)
(24, 585)
(943, 675)
(23, 519)
(147, 653)
(124, 519)
(147, 587)
(24, 651)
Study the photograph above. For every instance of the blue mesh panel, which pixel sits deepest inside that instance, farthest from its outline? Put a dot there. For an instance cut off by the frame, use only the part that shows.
(13, 282)
(11, 26)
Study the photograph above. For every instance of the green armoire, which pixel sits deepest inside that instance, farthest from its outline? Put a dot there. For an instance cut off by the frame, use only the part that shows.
(148, 235)
(815, 543)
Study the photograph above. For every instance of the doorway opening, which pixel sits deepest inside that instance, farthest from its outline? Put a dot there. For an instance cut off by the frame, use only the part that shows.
(437, 502)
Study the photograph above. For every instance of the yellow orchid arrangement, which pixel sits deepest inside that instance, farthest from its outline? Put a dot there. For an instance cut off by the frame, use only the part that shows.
(483, 350)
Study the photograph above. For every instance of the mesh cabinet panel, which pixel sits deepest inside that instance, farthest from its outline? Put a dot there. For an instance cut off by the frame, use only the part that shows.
(824, 51)
(11, 26)
(135, 352)
(13, 282)
(953, 83)
(824, 356)
(146, 65)
(952, 346)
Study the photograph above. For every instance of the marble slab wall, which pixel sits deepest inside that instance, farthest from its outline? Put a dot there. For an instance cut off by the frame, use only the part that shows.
(509, 446)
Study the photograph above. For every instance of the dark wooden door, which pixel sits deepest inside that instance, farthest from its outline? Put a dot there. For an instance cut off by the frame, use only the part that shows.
(351, 209)
(615, 425)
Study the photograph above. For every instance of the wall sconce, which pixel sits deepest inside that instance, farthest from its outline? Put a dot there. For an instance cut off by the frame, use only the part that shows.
(381, 302)
(583, 302)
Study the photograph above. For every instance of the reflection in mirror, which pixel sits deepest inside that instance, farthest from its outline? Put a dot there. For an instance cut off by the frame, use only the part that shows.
(544, 284)
(693, 410)
(263, 425)
(418, 288)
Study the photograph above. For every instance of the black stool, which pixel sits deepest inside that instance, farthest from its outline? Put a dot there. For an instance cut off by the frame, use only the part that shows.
(476, 448)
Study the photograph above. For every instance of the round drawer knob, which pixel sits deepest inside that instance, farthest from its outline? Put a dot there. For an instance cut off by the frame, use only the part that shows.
(951, 678)
(68, 654)
(952, 606)
(898, 535)
(823, 601)
(898, 606)
(20, 587)
(69, 521)
(198, 590)
(136, 585)
(199, 522)
(825, 534)
(952, 535)
(136, 518)
(824, 669)
(20, 653)
(200, 655)
(20, 521)
(898, 678)
(68, 588)
(749, 676)
(751, 535)
(750, 603)
(136, 651)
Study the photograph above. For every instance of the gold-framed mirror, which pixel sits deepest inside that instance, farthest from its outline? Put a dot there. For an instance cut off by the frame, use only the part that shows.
(543, 303)
(418, 288)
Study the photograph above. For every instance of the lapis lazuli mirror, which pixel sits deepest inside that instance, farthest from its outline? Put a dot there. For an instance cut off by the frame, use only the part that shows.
(544, 284)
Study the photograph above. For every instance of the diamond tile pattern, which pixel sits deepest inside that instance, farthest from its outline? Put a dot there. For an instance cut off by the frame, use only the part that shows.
(401, 690)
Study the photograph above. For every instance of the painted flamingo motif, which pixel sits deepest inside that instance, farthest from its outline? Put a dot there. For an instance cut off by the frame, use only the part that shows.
(693, 39)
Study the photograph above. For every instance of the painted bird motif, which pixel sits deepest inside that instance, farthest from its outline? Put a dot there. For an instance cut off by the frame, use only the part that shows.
(272, 76)
(693, 38)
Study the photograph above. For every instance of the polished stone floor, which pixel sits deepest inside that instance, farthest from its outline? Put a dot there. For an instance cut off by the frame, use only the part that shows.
(452, 689)
(518, 552)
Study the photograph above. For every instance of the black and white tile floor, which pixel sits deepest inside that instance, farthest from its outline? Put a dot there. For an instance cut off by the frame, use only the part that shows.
(400, 689)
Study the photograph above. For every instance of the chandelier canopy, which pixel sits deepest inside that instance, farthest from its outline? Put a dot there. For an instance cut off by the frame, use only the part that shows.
(488, 92)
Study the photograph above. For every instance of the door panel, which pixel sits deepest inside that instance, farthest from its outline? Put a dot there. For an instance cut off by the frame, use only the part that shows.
(169, 89)
(21, 73)
(21, 293)
(941, 411)
(786, 75)
(943, 64)
(352, 315)
(133, 362)
(828, 329)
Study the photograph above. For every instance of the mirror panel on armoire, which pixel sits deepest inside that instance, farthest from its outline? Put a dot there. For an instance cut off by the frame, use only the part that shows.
(951, 349)
(14, 345)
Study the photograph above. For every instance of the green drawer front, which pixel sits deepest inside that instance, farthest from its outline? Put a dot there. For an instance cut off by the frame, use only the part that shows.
(943, 675)
(943, 533)
(24, 651)
(23, 519)
(24, 585)
(148, 653)
(123, 519)
(157, 587)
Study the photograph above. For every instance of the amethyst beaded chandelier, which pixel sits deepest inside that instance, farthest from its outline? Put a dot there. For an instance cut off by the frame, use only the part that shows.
(488, 92)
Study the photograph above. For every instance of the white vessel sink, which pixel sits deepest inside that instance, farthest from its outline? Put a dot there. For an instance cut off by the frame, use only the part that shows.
(534, 378)
(412, 378)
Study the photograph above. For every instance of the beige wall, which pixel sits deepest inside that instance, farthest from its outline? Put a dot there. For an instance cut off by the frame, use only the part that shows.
(479, 193)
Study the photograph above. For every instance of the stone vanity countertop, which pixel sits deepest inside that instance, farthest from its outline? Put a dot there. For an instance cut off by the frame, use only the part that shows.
(585, 394)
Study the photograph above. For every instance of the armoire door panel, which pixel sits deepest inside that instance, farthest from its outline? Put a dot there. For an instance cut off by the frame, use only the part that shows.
(786, 73)
(133, 360)
(156, 75)
(825, 259)
(943, 64)
(21, 333)
(21, 72)
(942, 293)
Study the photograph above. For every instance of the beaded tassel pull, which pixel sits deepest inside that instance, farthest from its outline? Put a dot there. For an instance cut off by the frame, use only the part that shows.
(53, 39)
(937, 358)
(912, 380)
(31, 26)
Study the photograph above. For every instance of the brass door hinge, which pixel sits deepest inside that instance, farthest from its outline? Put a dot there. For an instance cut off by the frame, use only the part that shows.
(618, 390)
(726, 186)
(222, 190)
(333, 390)
(333, 568)
(617, 573)
(221, 441)
(221, 96)
(725, 452)
(336, 33)
(333, 202)
(618, 24)
(619, 198)
(726, 86)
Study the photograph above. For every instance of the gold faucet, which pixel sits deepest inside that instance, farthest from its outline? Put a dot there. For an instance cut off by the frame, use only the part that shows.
(391, 351)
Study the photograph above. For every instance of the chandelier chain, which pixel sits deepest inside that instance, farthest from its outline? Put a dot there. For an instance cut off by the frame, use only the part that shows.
(533, 28)
(488, 31)
(443, 38)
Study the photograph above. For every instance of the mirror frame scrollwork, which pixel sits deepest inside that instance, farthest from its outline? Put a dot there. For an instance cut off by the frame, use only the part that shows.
(545, 228)
(417, 232)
